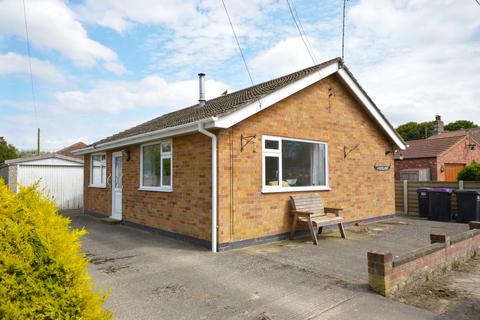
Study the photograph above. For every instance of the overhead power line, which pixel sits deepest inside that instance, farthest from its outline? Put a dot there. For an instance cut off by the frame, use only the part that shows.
(32, 87)
(238, 43)
(301, 31)
(478, 2)
(29, 60)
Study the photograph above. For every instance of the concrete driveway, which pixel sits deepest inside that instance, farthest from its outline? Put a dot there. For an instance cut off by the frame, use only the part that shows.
(153, 277)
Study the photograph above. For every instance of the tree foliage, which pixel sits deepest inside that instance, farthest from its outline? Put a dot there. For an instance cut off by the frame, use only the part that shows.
(460, 124)
(414, 130)
(421, 130)
(43, 274)
(470, 172)
(7, 151)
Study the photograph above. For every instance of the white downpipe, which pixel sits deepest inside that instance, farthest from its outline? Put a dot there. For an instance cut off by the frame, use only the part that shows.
(212, 136)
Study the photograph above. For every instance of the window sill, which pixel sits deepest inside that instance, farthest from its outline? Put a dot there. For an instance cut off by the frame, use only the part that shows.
(294, 189)
(155, 189)
(97, 186)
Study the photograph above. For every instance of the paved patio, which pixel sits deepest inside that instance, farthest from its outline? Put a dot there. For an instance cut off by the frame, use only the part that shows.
(153, 277)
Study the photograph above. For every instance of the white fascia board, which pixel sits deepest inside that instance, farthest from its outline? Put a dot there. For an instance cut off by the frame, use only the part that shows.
(148, 136)
(371, 108)
(235, 117)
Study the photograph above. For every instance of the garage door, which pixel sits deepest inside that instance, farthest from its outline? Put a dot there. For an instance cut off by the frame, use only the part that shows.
(64, 184)
(452, 170)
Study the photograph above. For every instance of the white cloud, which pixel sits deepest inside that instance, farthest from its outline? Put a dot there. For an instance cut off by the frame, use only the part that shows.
(52, 26)
(190, 32)
(15, 64)
(418, 58)
(151, 92)
(287, 56)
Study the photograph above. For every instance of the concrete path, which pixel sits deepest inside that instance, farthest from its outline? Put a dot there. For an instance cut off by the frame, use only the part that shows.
(153, 277)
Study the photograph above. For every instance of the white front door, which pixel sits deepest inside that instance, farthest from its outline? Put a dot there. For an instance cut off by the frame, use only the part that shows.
(117, 185)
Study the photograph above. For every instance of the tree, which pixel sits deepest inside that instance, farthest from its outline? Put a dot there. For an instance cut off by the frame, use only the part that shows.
(7, 151)
(470, 172)
(421, 130)
(31, 153)
(414, 130)
(460, 124)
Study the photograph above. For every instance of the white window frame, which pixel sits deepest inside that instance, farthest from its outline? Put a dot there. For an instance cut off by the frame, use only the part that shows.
(163, 155)
(278, 153)
(98, 185)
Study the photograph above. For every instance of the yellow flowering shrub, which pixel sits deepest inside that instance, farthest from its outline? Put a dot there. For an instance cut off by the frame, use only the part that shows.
(43, 274)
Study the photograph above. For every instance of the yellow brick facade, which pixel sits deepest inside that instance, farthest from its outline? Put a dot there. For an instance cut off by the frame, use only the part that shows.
(246, 213)
(184, 211)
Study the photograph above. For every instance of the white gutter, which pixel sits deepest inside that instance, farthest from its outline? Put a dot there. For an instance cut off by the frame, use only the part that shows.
(212, 136)
(143, 137)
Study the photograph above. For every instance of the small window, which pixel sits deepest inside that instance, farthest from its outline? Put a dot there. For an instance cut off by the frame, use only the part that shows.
(271, 144)
(294, 164)
(98, 170)
(156, 167)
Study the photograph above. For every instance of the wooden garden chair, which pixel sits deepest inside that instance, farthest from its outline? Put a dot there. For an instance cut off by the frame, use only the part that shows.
(309, 210)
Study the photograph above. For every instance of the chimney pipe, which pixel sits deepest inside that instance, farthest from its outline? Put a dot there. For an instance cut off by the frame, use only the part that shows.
(201, 85)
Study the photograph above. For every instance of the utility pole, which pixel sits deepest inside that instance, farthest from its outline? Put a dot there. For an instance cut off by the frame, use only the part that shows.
(38, 141)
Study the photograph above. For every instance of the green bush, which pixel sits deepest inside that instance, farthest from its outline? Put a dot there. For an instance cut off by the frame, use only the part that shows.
(43, 274)
(470, 172)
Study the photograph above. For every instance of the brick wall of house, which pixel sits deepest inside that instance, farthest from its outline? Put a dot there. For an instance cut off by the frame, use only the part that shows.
(419, 163)
(186, 210)
(97, 200)
(245, 212)
(460, 153)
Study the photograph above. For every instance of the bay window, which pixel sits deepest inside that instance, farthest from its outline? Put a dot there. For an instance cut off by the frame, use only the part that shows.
(294, 164)
(156, 166)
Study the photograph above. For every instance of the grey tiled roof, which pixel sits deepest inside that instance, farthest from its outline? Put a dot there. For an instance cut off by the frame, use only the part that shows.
(218, 106)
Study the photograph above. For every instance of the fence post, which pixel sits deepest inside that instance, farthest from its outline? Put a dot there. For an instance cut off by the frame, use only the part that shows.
(405, 197)
(460, 185)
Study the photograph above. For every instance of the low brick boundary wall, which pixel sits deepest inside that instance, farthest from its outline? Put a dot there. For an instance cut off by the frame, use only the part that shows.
(388, 275)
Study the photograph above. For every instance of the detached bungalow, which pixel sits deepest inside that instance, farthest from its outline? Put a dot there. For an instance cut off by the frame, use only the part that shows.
(220, 172)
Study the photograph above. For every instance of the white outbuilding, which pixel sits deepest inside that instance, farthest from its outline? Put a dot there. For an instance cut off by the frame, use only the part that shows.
(61, 177)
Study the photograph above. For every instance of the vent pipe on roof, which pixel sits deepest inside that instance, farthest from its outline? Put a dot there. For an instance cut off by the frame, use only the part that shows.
(201, 86)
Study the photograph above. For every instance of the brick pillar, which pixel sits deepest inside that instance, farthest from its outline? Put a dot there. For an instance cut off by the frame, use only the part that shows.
(380, 265)
(440, 238)
(474, 225)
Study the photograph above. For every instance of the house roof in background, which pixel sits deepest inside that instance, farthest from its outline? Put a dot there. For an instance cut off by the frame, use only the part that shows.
(429, 148)
(67, 151)
(473, 132)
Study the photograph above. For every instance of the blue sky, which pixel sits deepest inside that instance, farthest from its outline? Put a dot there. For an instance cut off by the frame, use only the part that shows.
(103, 66)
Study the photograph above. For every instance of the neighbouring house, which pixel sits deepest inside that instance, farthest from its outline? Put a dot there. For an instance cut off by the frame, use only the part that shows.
(67, 151)
(60, 177)
(220, 172)
(440, 157)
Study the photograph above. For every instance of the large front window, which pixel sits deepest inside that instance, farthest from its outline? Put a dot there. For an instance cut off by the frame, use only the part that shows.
(156, 166)
(98, 170)
(293, 164)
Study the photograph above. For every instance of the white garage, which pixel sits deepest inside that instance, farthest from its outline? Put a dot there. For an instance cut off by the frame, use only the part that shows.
(61, 177)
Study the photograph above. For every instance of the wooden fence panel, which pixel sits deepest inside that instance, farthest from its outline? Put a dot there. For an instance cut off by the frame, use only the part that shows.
(412, 197)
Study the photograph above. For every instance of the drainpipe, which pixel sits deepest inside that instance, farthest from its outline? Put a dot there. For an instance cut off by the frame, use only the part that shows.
(212, 136)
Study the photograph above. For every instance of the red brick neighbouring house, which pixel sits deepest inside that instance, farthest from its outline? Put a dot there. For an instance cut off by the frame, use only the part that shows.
(315, 130)
(440, 157)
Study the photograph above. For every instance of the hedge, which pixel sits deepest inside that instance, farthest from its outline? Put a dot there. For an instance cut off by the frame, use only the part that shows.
(43, 274)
